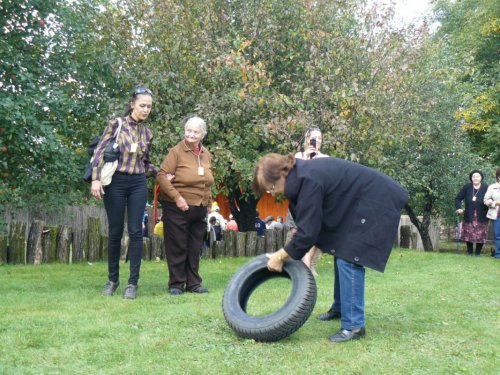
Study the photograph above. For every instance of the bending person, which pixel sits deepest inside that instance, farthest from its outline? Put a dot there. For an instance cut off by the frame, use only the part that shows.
(337, 206)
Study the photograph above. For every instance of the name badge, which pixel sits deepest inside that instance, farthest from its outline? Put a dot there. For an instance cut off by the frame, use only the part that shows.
(133, 147)
(201, 171)
(473, 199)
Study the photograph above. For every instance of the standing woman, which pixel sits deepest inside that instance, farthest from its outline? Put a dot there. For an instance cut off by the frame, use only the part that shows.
(185, 180)
(492, 200)
(128, 188)
(312, 144)
(475, 223)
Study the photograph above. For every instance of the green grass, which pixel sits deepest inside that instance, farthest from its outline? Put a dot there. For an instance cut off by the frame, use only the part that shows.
(429, 313)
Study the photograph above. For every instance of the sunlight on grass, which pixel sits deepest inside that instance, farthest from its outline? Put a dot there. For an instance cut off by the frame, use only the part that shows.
(429, 313)
(269, 297)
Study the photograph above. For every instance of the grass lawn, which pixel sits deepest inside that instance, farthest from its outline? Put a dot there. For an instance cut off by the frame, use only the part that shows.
(429, 313)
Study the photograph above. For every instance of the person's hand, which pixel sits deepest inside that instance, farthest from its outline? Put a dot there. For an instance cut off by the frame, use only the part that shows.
(459, 211)
(170, 177)
(276, 260)
(96, 189)
(310, 152)
(182, 204)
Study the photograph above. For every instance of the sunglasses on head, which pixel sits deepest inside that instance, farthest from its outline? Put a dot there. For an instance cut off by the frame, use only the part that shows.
(142, 90)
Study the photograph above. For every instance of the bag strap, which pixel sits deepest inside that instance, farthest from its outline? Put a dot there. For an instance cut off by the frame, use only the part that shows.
(117, 133)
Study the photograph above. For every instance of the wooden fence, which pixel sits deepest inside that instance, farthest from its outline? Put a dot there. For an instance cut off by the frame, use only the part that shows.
(61, 243)
(76, 234)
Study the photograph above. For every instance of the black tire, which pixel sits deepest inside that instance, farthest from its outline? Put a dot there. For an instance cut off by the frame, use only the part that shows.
(280, 324)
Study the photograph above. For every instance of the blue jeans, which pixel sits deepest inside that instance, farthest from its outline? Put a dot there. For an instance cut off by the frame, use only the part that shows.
(128, 192)
(496, 229)
(349, 293)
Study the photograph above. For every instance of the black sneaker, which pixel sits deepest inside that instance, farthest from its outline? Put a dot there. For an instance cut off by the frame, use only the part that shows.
(199, 290)
(329, 315)
(110, 288)
(345, 335)
(175, 291)
(130, 291)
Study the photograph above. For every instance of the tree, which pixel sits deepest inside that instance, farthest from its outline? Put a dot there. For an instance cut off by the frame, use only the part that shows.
(471, 29)
(45, 97)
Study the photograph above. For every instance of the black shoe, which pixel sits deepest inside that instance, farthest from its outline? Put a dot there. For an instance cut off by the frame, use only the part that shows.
(110, 288)
(346, 335)
(130, 291)
(329, 315)
(175, 291)
(199, 290)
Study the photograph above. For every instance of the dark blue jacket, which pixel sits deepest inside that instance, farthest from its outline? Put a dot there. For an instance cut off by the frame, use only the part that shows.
(260, 227)
(344, 208)
(466, 194)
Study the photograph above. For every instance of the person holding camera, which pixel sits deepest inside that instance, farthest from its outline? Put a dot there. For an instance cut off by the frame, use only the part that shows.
(128, 189)
(312, 144)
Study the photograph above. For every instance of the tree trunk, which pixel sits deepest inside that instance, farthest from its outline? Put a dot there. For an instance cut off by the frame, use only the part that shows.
(405, 236)
(3, 248)
(49, 244)
(243, 209)
(94, 238)
(64, 238)
(79, 245)
(422, 226)
(17, 243)
(34, 253)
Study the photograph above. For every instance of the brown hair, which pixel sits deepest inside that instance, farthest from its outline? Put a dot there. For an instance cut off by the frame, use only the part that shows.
(270, 169)
(498, 174)
(135, 94)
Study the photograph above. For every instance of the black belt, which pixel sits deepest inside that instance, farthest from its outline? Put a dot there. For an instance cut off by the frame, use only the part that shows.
(129, 174)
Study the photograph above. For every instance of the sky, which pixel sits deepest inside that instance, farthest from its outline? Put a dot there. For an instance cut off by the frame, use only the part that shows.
(408, 10)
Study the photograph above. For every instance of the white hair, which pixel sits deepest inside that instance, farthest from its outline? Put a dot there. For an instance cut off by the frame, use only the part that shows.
(199, 122)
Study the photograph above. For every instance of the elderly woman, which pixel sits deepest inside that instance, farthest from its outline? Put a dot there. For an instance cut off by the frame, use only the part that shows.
(345, 209)
(492, 201)
(128, 190)
(185, 179)
(475, 223)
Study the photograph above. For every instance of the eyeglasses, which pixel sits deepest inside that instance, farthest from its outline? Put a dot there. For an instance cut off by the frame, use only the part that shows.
(272, 191)
(142, 90)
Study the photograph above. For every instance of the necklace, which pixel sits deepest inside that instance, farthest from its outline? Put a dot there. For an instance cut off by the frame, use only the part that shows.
(474, 192)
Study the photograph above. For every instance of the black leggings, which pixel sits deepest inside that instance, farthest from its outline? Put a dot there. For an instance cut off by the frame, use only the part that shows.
(131, 192)
(470, 245)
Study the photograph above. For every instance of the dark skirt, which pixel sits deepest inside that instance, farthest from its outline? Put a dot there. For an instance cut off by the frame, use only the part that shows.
(474, 231)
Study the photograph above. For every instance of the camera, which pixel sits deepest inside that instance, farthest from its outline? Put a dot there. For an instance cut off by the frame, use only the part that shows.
(312, 142)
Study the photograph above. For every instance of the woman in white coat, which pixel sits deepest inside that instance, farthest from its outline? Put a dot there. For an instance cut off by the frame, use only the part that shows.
(492, 200)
